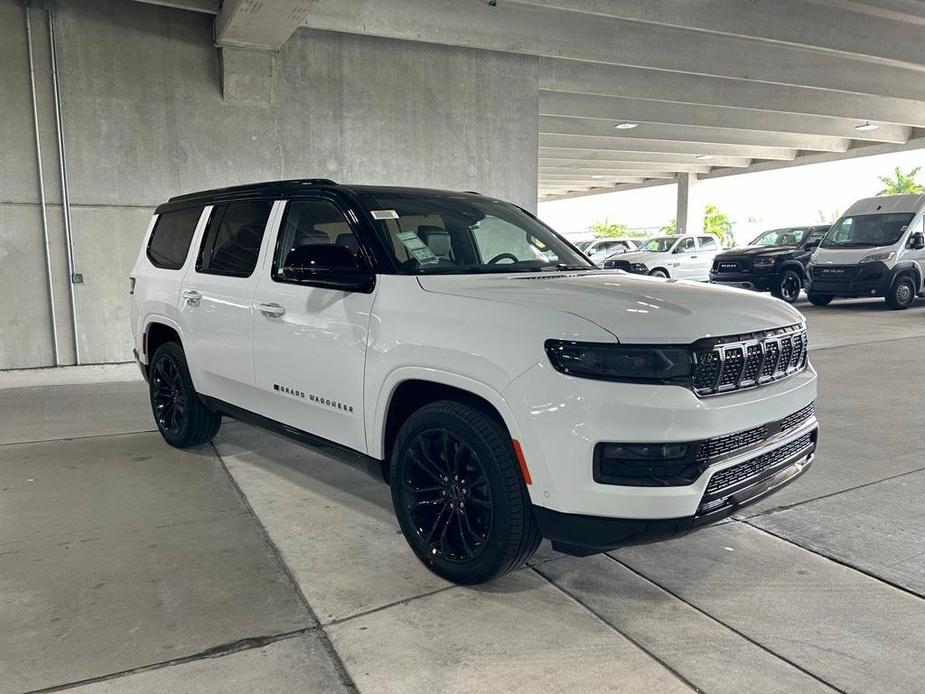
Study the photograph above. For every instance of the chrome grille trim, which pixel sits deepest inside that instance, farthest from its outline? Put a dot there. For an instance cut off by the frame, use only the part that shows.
(741, 363)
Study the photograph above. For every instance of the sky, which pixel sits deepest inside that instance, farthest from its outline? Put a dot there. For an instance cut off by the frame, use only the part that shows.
(807, 194)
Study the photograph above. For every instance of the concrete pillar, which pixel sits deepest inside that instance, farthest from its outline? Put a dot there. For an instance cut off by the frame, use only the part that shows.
(690, 209)
(247, 76)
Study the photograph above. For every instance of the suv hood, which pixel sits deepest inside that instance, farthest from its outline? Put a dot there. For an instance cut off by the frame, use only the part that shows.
(634, 308)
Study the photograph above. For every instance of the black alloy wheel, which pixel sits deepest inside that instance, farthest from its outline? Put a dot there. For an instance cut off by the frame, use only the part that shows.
(459, 495)
(181, 417)
(447, 496)
(788, 286)
(168, 398)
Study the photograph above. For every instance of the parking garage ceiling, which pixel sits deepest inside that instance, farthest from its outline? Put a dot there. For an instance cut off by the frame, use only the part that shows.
(634, 92)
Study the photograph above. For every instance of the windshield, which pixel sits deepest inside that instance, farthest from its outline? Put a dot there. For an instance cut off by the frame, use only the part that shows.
(430, 233)
(659, 245)
(781, 237)
(867, 230)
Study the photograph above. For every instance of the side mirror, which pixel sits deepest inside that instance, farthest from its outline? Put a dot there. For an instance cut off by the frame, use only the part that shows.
(813, 245)
(917, 241)
(329, 266)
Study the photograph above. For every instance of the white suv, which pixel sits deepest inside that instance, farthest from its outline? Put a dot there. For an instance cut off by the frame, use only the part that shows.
(509, 389)
(686, 257)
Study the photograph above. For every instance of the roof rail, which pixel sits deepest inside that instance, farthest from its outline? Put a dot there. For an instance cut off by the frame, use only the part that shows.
(318, 181)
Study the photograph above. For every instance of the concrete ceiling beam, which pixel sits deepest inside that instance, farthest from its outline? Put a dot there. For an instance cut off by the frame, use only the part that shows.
(545, 31)
(849, 31)
(556, 125)
(591, 156)
(613, 109)
(623, 144)
(632, 82)
(259, 25)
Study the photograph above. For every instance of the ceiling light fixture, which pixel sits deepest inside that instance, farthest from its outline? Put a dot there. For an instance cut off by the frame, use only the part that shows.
(704, 157)
(625, 125)
(866, 125)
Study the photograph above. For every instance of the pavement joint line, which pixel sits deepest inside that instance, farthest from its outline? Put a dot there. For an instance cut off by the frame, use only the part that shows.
(731, 628)
(230, 648)
(866, 342)
(614, 629)
(380, 608)
(787, 507)
(79, 437)
(835, 560)
(326, 643)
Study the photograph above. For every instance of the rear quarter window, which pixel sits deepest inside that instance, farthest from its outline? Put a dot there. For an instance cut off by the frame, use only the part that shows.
(171, 237)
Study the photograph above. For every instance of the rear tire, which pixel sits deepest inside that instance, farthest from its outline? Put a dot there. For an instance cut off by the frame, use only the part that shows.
(819, 299)
(181, 417)
(902, 294)
(458, 494)
(787, 286)
(658, 272)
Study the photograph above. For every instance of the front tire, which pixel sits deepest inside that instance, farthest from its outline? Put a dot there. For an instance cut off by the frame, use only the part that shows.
(658, 272)
(181, 417)
(902, 294)
(458, 494)
(819, 299)
(787, 286)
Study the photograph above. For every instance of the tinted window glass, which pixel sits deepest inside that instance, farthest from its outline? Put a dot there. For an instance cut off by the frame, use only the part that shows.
(685, 246)
(233, 242)
(311, 222)
(816, 234)
(867, 230)
(460, 234)
(171, 238)
(707, 243)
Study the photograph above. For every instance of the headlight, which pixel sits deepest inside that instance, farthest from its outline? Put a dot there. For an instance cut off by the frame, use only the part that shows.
(878, 257)
(762, 261)
(616, 362)
(639, 267)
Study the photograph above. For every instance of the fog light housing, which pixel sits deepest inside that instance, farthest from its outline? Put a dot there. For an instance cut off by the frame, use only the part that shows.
(646, 464)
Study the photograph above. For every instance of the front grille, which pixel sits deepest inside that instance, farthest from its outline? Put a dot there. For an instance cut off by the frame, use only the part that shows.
(742, 472)
(620, 265)
(835, 272)
(744, 362)
(720, 446)
(729, 265)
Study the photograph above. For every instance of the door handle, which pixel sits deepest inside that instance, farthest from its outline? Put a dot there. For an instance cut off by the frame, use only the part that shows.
(693, 257)
(272, 310)
(191, 296)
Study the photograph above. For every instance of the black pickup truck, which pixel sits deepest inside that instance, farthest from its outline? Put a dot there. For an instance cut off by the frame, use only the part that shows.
(774, 262)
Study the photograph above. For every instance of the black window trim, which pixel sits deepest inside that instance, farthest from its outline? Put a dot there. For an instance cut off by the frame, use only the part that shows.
(189, 246)
(351, 217)
(215, 222)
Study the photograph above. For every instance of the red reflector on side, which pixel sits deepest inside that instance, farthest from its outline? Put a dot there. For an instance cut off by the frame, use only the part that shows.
(524, 470)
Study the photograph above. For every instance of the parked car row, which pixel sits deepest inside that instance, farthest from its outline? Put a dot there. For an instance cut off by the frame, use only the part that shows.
(877, 248)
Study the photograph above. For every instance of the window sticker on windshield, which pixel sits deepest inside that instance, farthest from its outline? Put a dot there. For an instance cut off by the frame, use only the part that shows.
(384, 214)
(417, 248)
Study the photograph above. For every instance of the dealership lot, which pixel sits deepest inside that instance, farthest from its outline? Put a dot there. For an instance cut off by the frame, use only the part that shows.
(126, 565)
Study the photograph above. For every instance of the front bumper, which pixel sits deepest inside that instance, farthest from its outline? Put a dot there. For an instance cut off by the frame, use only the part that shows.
(582, 535)
(870, 279)
(741, 280)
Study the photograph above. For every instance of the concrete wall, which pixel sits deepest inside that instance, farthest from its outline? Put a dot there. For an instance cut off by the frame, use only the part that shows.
(146, 117)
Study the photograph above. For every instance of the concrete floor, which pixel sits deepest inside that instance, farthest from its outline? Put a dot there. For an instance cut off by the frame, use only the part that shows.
(255, 565)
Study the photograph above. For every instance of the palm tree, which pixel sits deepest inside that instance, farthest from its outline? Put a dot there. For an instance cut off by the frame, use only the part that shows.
(607, 228)
(717, 222)
(900, 182)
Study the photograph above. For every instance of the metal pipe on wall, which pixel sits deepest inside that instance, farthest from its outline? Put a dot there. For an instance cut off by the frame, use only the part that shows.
(38, 161)
(65, 192)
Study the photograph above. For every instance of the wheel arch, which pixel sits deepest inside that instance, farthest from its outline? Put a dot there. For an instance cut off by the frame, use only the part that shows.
(794, 265)
(157, 331)
(910, 269)
(662, 269)
(407, 390)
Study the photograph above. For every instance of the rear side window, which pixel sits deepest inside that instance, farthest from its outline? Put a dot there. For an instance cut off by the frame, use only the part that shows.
(707, 243)
(233, 243)
(171, 238)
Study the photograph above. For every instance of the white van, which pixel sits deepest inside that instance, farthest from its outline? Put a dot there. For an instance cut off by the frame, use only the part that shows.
(877, 248)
